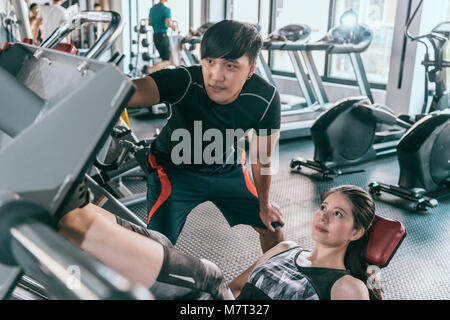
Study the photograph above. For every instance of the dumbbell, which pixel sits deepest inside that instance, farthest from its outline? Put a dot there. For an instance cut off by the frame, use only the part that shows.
(144, 69)
(146, 56)
(141, 29)
(145, 43)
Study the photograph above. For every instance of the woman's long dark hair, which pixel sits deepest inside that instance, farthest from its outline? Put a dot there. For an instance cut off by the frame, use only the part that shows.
(363, 215)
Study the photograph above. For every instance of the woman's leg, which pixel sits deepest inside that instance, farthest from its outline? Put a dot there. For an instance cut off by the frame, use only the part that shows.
(140, 258)
(132, 255)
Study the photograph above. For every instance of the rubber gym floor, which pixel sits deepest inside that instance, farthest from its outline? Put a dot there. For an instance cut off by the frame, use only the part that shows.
(419, 269)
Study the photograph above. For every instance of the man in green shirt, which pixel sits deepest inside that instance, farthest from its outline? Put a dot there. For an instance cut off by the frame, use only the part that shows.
(160, 19)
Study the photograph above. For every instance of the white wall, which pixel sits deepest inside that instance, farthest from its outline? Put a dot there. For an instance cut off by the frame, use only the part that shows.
(409, 97)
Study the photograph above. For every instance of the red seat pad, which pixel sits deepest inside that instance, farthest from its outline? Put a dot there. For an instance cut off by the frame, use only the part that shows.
(384, 239)
(65, 47)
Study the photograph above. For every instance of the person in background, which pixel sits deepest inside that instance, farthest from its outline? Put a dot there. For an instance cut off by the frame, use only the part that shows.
(98, 26)
(53, 18)
(36, 23)
(161, 21)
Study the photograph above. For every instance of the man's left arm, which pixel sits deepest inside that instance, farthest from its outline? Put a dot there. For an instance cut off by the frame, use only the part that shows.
(262, 148)
(169, 21)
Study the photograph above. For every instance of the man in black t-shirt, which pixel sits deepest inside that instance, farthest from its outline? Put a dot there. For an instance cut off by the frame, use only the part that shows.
(197, 158)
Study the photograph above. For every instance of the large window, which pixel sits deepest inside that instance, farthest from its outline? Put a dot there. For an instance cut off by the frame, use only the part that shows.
(180, 14)
(243, 10)
(252, 11)
(196, 14)
(378, 15)
(312, 13)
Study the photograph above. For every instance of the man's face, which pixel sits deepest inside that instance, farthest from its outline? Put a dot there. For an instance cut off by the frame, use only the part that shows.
(224, 79)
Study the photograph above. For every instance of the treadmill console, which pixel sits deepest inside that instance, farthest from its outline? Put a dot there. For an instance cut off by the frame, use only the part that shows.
(443, 28)
(342, 35)
(292, 32)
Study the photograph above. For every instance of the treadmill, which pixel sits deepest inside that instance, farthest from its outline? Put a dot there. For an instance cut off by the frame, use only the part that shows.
(46, 95)
(297, 113)
(351, 40)
(190, 42)
(341, 40)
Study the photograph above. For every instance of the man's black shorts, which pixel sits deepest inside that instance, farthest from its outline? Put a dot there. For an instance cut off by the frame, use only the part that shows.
(173, 193)
(161, 41)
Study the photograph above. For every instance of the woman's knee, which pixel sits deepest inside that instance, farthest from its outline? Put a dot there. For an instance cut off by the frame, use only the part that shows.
(78, 220)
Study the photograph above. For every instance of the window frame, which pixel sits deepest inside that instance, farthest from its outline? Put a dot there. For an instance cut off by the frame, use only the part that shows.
(327, 65)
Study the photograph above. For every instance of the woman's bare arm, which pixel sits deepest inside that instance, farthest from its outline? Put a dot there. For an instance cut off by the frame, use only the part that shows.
(349, 288)
(238, 283)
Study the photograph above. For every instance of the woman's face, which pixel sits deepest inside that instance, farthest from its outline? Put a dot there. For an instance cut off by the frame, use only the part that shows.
(333, 222)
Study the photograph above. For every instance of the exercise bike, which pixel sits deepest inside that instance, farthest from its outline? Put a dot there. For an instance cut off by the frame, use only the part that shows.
(348, 133)
(424, 151)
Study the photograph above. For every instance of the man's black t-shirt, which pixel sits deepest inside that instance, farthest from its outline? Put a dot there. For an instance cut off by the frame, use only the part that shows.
(208, 129)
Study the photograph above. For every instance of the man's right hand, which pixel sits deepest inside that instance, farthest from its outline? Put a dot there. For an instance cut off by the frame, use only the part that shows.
(5, 46)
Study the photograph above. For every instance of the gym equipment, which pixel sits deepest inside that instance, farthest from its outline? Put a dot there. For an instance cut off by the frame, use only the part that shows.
(335, 145)
(297, 113)
(86, 17)
(343, 39)
(56, 88)
(44, 92)
(189, 44)
(144, 40)
(424, 151)
(351, 39)
(438, 39)
(137, 69)
(346, 135)
(424, 159)
(106, 183)
(54, 184)
(385, 237)
(287, 38)
(8, 27)
(128, 162)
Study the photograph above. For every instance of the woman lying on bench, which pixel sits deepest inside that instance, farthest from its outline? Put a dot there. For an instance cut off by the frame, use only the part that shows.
(335, 269)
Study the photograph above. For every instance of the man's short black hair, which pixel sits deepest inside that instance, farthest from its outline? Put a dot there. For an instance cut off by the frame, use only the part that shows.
(231, 40)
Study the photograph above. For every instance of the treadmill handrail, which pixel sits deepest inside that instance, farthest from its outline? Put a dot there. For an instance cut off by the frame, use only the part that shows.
(85, 17)
(325, 44)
